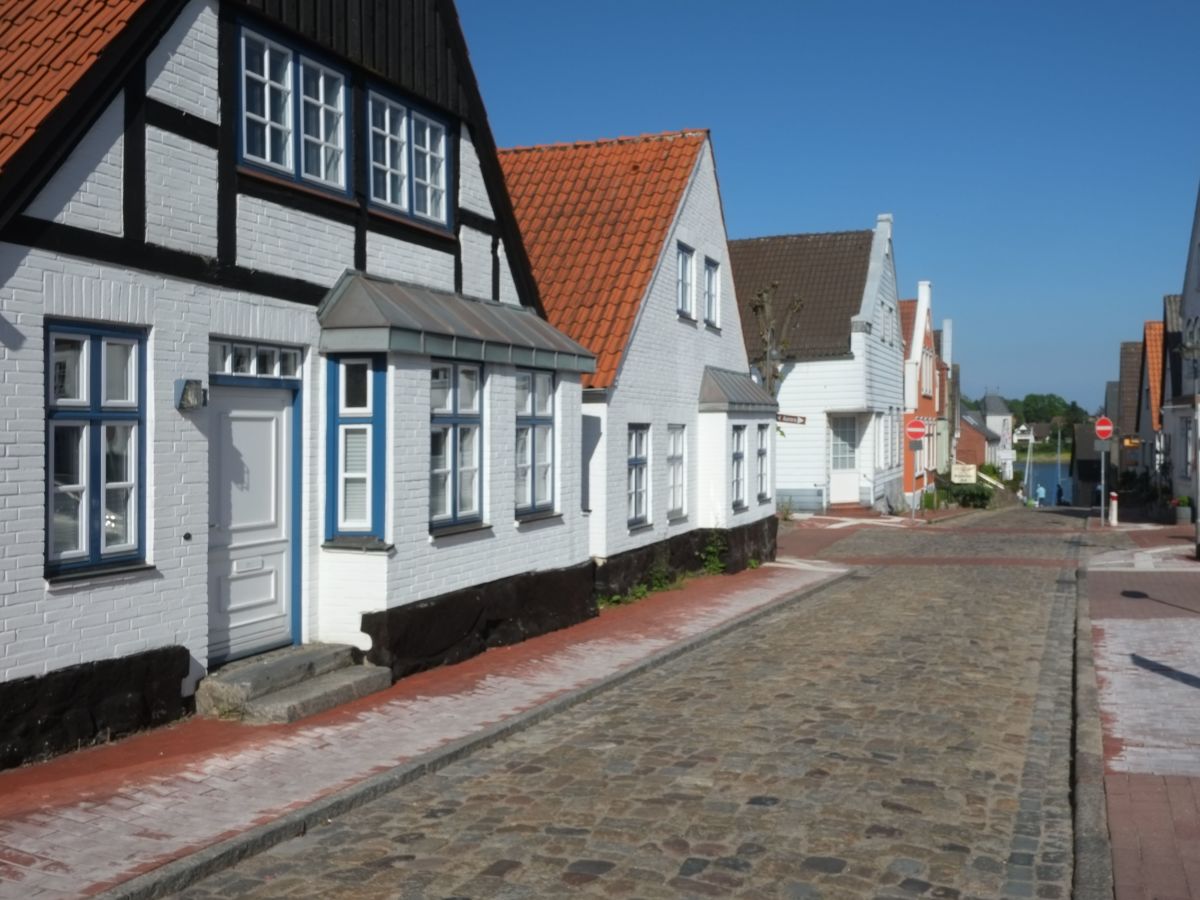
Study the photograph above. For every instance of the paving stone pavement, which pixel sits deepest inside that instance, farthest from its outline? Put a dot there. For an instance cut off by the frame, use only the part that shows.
(903, 733)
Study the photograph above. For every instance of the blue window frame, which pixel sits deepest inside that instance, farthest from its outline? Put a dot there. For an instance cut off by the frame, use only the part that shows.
(356, 447)
(535, 441)
(456, 451)
(95, 446)
(637, 481)
(293, 113)
(408, 160)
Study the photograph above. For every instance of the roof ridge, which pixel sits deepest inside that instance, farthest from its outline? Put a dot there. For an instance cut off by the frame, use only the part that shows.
(604, 142)
(800, 234)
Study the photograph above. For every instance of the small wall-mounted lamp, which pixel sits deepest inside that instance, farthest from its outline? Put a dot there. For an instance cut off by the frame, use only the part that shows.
(190, 394)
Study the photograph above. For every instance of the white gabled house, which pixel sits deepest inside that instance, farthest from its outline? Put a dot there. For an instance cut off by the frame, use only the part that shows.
(272, 359)
(841, 362)
(627, 241)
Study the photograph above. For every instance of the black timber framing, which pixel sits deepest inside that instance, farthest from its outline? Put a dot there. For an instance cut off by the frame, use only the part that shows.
(227, 62)
(133, 169)
(478, 222)
(167, 118)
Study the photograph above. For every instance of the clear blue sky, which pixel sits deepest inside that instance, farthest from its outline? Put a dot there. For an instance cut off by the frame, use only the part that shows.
(1041, 159)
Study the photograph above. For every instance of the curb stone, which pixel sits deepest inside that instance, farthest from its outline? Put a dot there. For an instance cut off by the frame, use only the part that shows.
(181, 873)
(1093, 848)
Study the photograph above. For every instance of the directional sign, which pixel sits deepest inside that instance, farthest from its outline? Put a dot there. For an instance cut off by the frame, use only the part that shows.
(1104, 428)
(789, 420)
(914, 430)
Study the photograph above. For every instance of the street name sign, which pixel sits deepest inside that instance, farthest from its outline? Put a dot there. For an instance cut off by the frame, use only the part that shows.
(1104, 428)
(914, 430)
(1103, 446)
(789, 420)
(914, 446)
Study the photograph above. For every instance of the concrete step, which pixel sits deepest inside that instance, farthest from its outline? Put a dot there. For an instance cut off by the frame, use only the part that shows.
(317, 694)
(225, 693)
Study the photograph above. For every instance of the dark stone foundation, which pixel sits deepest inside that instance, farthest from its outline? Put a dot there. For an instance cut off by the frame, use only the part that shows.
(70, 708)
(456, 626)
(685, 553)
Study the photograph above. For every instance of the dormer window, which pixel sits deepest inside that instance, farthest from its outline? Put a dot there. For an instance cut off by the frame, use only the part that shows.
(293, 113)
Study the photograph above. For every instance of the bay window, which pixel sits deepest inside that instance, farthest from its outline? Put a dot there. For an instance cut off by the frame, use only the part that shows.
(356, 446)
(535, 441)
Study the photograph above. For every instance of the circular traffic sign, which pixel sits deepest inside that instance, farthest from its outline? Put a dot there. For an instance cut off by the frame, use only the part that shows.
(1104, 428)
(914, 430)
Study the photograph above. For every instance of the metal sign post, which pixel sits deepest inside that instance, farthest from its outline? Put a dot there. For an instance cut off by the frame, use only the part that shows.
(915, 431)
(1104, 431)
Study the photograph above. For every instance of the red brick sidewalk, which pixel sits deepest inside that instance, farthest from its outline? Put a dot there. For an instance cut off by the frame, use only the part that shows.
(98, 818)
(1146, 634)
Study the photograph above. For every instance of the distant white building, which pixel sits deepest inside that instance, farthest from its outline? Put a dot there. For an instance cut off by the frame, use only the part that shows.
(997, 417)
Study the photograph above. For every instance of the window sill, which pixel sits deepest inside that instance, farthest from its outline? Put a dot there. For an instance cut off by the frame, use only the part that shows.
(544, 515)
(740, 507)
(676, 518)
(101, 571)
(764, 498)
(712, 326)
(636, 527)
(442, 531)
(331, 192)
(686, 317)
(369, 544)
(409, 220)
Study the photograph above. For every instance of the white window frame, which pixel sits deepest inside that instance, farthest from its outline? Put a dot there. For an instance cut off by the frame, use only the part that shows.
(84, 400)
(456, 420)
(637, 484)
(130, 484)
(712, 292)
(737, 458)
(131, 377)
(531, 420)
(685, 280)
(344, 476)
(763, 438)
(676, 471)
(265, 119)
(391, 166)
(440, 187)
(81, 488)
(343, 408)
(322, 140)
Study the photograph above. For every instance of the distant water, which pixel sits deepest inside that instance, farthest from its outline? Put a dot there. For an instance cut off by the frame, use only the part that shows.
(1044, 474)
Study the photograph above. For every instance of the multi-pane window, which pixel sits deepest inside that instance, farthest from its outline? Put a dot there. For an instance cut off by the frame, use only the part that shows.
(637, 485)
(456, 433)
(389, 153)
(763, 471)
(844, 447)
(355, 497)
(676, 471)
(429, 169)
(1189, 437)
(738, 460)
(712, 292)
(95, 420)
(256, 360)
(293, 113)
(535, 441)
(685, 299)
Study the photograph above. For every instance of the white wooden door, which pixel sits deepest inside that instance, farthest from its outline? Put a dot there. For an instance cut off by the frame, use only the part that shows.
(843, 459)
(250, 521)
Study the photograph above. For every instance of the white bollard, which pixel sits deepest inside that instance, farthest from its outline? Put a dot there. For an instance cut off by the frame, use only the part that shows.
(1112, 509)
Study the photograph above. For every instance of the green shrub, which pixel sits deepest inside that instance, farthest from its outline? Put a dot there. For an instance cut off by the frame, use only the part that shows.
(990, 470)
(971, 496)
(710, 556)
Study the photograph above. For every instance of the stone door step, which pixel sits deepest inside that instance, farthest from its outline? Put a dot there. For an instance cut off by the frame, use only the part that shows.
(317, 694)
(258, 680)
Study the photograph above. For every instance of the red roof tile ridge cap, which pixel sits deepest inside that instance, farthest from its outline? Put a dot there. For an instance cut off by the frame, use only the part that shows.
(804, 234)
(603, 142)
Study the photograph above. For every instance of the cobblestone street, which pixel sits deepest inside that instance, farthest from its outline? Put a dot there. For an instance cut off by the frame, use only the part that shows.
(905, 732)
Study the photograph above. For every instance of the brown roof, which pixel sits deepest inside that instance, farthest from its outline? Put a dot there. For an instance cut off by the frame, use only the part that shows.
(1127, 394)
(46, 49)
(827, 272)
(1172, 346)
(908, 318)
(594, 217)
(1152, 344)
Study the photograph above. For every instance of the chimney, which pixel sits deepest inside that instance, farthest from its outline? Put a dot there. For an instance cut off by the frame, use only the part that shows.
(947, 341)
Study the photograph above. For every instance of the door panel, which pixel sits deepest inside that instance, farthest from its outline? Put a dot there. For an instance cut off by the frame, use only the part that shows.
(250, 539)
(843, 459)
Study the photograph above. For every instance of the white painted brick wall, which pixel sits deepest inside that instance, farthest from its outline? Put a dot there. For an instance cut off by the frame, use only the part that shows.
(508, 285)
(392, 258)
(476, 263)
(181, 193)
(49, 627)
(472, 191)
(86, 190)
(659, 381)
(273, 238)
(182, 69)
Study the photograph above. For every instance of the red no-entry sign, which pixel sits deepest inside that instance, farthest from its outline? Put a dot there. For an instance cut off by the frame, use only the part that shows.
(914, 430)
(1104, 428)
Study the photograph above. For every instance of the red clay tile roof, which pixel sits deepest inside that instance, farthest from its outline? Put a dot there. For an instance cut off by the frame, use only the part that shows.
(46, 48)
(908, 318)
(1153, 343)
(594, 216)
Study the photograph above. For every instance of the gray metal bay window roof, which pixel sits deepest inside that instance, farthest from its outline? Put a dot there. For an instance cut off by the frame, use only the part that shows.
(363, 314)
(723, 390)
